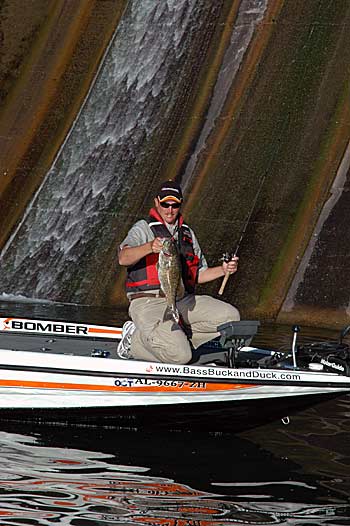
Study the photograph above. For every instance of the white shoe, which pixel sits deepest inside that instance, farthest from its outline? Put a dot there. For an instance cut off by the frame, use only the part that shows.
(123, 349)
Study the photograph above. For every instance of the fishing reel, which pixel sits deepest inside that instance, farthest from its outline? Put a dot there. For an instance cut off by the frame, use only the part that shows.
(227, 257)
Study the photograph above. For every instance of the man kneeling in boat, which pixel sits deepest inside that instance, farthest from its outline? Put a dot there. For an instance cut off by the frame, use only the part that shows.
(153, 335)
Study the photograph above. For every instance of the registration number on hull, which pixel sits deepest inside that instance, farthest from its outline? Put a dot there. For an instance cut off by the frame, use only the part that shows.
(132, 382)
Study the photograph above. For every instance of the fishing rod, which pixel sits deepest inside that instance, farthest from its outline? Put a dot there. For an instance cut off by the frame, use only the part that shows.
(227, 256)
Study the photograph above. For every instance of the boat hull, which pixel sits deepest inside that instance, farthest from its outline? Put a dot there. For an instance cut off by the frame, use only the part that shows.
(60, 389)
(230, 416)
(69, 374)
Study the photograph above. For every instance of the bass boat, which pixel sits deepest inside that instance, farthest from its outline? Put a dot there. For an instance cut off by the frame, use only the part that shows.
(69, 373)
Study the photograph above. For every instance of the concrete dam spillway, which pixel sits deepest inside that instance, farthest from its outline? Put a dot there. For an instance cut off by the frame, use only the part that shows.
(231, 98)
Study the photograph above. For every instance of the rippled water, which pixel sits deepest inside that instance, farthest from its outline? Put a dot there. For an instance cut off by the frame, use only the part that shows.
(295, 475)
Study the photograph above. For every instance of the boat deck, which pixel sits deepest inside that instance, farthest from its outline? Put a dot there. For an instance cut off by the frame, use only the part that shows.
(57, 344)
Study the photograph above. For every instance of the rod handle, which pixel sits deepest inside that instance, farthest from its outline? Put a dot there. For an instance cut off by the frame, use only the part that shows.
(223, 284)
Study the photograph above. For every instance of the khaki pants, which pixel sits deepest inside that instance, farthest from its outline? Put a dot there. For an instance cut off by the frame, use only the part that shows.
(156, 340)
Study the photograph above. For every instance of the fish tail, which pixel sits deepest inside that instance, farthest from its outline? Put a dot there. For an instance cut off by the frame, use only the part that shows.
(174, 313)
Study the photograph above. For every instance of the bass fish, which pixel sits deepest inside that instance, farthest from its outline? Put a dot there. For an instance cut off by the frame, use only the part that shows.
(169, 274)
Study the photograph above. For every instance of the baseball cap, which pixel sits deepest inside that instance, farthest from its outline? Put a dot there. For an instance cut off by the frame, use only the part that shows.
(170, 191)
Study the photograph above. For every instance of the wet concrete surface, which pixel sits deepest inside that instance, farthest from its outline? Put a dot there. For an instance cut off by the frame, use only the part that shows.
(287, 131)
(50, 52)
(322, 281)
(285, 120)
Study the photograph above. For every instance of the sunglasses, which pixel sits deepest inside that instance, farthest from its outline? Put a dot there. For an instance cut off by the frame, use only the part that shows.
(172, 205)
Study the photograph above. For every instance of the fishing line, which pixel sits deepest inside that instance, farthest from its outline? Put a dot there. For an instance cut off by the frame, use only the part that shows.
(227, 256)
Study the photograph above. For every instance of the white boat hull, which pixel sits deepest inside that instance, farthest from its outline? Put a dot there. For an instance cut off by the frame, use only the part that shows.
(48, 386)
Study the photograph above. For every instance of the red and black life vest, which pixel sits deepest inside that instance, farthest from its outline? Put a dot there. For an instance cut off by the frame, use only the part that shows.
(143, 276)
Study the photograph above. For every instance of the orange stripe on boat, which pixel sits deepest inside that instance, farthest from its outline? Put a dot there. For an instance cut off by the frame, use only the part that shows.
(186, 387)
(105, 331)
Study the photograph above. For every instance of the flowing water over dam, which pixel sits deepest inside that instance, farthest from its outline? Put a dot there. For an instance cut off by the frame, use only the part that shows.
(71, 220)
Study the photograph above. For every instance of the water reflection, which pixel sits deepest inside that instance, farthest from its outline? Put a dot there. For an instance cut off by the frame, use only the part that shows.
(318, 440)
(109, 477)
(71, 312)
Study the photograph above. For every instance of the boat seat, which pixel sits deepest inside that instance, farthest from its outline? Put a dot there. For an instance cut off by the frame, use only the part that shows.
(224, 349)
